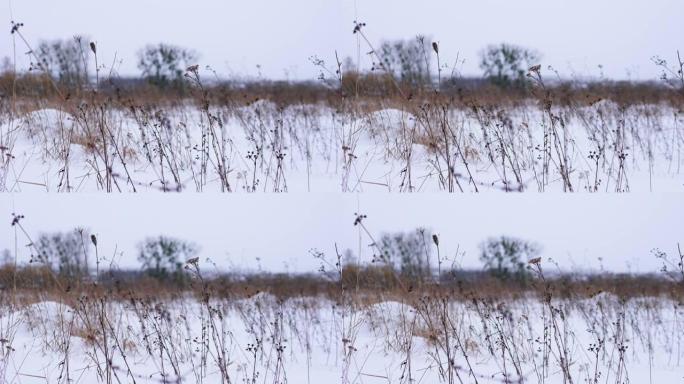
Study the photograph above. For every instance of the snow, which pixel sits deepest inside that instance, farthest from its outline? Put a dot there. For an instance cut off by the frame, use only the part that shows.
(313, 340)
(312, 148)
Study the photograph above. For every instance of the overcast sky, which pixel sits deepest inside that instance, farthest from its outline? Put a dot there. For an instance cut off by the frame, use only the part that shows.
(574, 36)
(581, 232)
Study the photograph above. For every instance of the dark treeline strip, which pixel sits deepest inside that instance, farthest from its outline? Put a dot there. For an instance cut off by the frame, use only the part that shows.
(27, 89)
(362, 281)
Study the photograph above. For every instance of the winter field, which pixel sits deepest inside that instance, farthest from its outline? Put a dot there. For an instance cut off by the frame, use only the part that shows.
(406, 307)
(341, 191)
(261, 147)
(354, 338)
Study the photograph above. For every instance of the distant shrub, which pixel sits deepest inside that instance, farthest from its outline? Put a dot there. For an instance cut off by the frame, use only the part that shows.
(164, 65)
(367, 84)
(407, 60)
(506, 65)
(369, 276)
(5, 257)
(506, 257)
(65, 60)
(65, 252)
(408, 252)
(163, 257)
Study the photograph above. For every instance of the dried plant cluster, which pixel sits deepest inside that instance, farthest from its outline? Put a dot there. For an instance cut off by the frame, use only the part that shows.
(125, 146)
(111, 335)
(399, 127)
(403, 317)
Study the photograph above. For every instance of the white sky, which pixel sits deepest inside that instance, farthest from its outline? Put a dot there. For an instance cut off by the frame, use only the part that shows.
(575, 36)
(233, 230)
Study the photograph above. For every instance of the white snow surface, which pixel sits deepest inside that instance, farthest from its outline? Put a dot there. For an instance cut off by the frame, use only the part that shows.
(313, 148)
(313, 340)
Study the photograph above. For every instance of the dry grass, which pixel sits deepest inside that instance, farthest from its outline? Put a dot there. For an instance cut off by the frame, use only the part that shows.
(364, 282)
(455, 326)
(455, 323)
(371, 91)
(439, 143)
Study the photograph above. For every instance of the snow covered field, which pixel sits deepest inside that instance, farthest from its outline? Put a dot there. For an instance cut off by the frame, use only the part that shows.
(601, 339)
(341, 192)
(149, 338)
(310, 148)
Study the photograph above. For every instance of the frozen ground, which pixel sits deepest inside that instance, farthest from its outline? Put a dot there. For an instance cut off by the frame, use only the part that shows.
(308, 340)
(262, 148)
